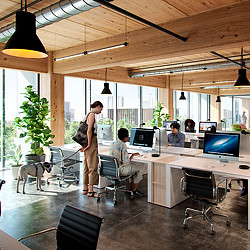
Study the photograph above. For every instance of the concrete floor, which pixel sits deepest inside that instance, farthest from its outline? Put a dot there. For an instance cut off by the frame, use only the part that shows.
(132, 224)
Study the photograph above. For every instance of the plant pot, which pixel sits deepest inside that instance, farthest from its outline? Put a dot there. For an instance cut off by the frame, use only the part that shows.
(31, 158)
(14, 170)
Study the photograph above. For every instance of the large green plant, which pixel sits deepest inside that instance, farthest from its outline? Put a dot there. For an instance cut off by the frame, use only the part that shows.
(34, 122)
(159, 116)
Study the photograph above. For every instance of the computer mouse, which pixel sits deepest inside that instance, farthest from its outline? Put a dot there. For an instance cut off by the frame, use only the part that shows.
(243, 166)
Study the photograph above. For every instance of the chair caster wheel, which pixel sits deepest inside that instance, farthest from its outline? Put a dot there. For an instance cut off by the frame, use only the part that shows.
(228, 223)
(230, 185)
(115, 203)
(212, 233)
(186, 215)
(48, 183)
(185, 226)
(60, 185)
(98, 199)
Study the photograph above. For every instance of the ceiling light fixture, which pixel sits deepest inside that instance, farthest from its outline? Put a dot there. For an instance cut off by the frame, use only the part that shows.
(92, 51)
(182, 97)
(25, 42)
(106, 90)
(218, 96)
(242, 80)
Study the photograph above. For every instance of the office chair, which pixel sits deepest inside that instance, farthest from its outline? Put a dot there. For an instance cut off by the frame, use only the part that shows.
(201, 186)
(76, 230)
(1, 183)
(65, 164)
(109, 168)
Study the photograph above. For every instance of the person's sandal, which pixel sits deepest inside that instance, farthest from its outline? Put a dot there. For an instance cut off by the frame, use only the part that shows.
(93, 194)
(85, 191)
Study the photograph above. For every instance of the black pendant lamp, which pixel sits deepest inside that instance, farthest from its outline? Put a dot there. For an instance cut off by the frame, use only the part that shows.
(242, 80)
(25, 42)
(106, 90)
(218, 97)
(182, 97)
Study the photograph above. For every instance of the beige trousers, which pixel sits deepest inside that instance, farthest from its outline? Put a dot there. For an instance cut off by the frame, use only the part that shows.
(90, 172)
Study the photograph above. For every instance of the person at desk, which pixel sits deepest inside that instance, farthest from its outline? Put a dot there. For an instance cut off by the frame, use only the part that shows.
(176, 138)
(189, 125)
(119, 151)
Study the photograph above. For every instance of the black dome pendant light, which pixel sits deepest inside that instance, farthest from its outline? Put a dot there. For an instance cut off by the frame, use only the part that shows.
(218, 96)
(242, 80)
(106, 90)
(182, 97)
(25, 42)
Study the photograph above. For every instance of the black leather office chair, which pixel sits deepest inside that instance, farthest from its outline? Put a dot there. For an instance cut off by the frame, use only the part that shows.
(76, 230)
(202, 187)
(109, 168)
(1, 183)
(65, 165)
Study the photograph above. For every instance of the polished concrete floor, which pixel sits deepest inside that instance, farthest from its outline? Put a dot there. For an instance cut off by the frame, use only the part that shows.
(132, 224)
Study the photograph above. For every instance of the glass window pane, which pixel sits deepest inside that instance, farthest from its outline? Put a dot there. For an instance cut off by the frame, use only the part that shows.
(226, 111)
(204, 107)
(127, 106)
(149, 101)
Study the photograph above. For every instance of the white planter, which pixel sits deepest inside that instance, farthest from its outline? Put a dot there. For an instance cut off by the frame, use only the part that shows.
(14, 170)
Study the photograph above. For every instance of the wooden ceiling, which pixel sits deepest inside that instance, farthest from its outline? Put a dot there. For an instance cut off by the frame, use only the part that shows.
(219, 25)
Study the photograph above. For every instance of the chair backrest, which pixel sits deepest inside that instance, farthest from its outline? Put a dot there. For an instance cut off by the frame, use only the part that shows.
(56, 156)
(108, 166)
(199, 184)
(78, 229)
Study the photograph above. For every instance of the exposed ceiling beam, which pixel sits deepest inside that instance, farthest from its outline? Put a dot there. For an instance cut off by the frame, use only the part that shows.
(214, 30)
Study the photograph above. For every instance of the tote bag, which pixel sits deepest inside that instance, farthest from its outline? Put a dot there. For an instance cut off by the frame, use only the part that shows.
(81, 133)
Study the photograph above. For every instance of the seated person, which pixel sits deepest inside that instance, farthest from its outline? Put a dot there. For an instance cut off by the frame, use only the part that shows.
(176, 138)
(189, 125)
(126, 167)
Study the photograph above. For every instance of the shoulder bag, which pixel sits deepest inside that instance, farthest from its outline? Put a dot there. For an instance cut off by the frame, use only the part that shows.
(81, 133)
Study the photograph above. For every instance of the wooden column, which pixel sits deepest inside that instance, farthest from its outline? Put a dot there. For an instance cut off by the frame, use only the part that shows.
(52, 87)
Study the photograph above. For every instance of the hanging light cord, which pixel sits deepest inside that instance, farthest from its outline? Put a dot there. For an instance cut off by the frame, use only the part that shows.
(182, 80)
(106, 75)
(242, 61)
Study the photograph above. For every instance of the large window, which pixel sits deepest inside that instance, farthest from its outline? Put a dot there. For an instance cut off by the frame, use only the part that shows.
(195, 107)
(13, 83)
(127, 107)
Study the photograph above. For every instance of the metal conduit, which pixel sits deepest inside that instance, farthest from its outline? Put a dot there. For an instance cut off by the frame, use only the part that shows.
(51, 14)
(171, 70)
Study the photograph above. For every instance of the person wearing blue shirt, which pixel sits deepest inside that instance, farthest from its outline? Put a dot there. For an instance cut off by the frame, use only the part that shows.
(176, 138)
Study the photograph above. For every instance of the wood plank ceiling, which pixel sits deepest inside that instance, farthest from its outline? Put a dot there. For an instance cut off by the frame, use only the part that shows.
(101, 26)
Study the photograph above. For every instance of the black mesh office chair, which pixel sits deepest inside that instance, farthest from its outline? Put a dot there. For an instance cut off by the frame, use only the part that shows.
(65, 165)
(109, 168)
(1, 183)
(202, 187)
(76, 230)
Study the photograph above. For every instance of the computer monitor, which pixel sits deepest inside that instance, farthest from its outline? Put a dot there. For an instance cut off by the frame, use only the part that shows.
(206, 126)
(167, 124)
(222, 145)
(141, 137)
(104, 132)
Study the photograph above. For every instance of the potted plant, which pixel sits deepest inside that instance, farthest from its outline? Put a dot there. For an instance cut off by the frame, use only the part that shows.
(16, 157)
(33, 124)
(159, 116)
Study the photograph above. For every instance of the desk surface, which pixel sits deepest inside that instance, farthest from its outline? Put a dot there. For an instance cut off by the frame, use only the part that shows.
(9, 243)
(230, 168)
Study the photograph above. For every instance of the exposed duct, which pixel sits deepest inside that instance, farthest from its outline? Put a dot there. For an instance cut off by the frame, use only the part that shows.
(51, 14)
(172, 70)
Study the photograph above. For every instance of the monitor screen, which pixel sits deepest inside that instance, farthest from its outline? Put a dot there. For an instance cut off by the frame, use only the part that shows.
(167, 124)
(141, 137)
(227, 144)
(206, 126)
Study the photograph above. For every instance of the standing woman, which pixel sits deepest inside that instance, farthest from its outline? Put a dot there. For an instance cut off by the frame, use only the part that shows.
(90, 172)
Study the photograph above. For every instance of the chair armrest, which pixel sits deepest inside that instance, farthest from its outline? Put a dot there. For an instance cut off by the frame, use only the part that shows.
(41, 232)
(182, 186)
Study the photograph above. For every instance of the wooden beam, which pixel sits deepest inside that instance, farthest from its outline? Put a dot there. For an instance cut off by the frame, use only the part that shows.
(214, 30)
(26, 64)
(120, 75)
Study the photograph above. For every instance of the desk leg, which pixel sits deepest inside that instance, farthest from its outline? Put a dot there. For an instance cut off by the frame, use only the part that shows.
(150, 181)
(248, 214)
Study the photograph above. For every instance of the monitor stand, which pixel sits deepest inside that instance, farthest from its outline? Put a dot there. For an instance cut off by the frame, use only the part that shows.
(224, 160)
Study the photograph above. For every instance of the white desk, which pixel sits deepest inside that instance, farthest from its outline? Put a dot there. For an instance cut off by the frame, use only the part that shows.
(9, 243)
